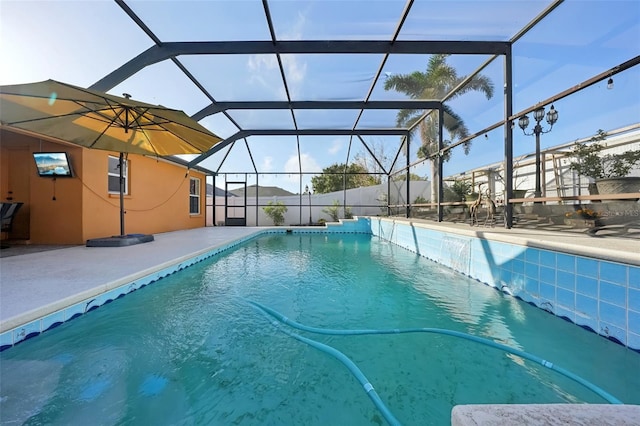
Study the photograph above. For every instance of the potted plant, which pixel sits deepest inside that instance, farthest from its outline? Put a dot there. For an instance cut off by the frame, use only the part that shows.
(583, 216)
(609, 171)
(459, 190)
(517, 181)
(517, 192)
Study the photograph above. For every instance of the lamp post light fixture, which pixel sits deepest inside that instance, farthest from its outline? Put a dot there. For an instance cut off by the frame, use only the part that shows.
(306, 191)
(610, 83)
(523, 122)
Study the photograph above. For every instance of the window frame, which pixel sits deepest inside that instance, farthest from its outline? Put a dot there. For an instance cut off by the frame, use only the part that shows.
(125, 175)
(194, 196)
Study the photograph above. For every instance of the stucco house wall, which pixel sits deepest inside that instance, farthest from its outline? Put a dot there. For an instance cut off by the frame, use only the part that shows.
(72, 210)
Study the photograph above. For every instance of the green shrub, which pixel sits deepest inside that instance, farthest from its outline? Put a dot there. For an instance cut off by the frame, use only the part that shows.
(347, 213)
(333, 211)
(276, 212)
(589, 162)
(458, 191)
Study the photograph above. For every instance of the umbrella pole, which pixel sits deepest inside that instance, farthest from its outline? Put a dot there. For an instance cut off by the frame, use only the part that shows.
(121, 194)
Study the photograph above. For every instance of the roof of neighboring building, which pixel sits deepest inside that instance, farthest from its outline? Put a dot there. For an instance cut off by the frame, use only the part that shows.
(263, 191)
(219, 192)
(185, 163)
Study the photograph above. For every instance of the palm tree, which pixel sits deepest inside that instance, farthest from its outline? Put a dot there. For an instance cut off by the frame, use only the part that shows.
(435, 83)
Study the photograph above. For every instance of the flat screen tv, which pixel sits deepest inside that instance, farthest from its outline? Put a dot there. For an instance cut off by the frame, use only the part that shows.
(53, 164)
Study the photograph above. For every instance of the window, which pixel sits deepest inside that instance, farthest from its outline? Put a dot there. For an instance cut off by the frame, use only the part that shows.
(194, 196)
(114, 176)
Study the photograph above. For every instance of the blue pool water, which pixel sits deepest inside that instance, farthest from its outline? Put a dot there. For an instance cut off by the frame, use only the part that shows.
(192, 349)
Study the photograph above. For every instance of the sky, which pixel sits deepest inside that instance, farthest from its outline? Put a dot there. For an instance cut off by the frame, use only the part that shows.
(80, 42)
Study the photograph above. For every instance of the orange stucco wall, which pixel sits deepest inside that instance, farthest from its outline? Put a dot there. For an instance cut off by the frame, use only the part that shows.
(158, 199)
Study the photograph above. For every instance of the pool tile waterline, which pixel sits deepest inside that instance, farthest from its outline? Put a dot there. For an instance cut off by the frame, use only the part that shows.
(598, 294)
(601, 295)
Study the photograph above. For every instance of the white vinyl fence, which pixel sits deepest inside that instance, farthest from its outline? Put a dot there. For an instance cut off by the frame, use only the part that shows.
(364, 201)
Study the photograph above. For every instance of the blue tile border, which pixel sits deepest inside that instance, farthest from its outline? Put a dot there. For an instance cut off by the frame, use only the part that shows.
(586, 267)
(613, 293)
(634, 277)
(587, 286)
(613, 272)
(593, 293)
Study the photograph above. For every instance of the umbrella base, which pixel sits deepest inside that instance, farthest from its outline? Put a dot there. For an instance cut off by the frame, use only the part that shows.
(120, 240)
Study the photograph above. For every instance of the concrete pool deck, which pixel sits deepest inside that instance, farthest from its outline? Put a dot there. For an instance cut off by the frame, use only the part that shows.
(75, 273)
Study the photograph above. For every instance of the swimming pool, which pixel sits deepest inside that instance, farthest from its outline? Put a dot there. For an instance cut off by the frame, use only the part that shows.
(192, 349)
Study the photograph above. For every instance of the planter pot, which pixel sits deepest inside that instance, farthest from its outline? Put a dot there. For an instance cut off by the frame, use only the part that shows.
(519, 193)
(593, 190)
(581, 223)
(621, 185)
(558, 220)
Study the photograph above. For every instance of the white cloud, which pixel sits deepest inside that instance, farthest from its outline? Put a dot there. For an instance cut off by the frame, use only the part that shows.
(267, 164)
(289, 179)
(336, 146)
(309, 164)
(261, 66)
(294, 69)
(258, 63)
(297, 29)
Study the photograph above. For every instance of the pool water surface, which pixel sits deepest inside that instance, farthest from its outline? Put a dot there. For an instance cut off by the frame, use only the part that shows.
(192, 349)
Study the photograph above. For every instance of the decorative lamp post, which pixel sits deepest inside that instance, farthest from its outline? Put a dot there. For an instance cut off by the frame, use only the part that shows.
(306, 191)
(523, 122)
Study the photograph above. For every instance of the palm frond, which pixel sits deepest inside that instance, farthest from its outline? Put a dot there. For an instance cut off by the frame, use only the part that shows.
(456, 127)
(479, 83)
(410, 84)
(454, 123)
(438, 79)
(436, 61)
(407, 117)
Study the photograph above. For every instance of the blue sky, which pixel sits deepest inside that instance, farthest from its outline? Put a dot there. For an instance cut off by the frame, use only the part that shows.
(79, 42)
